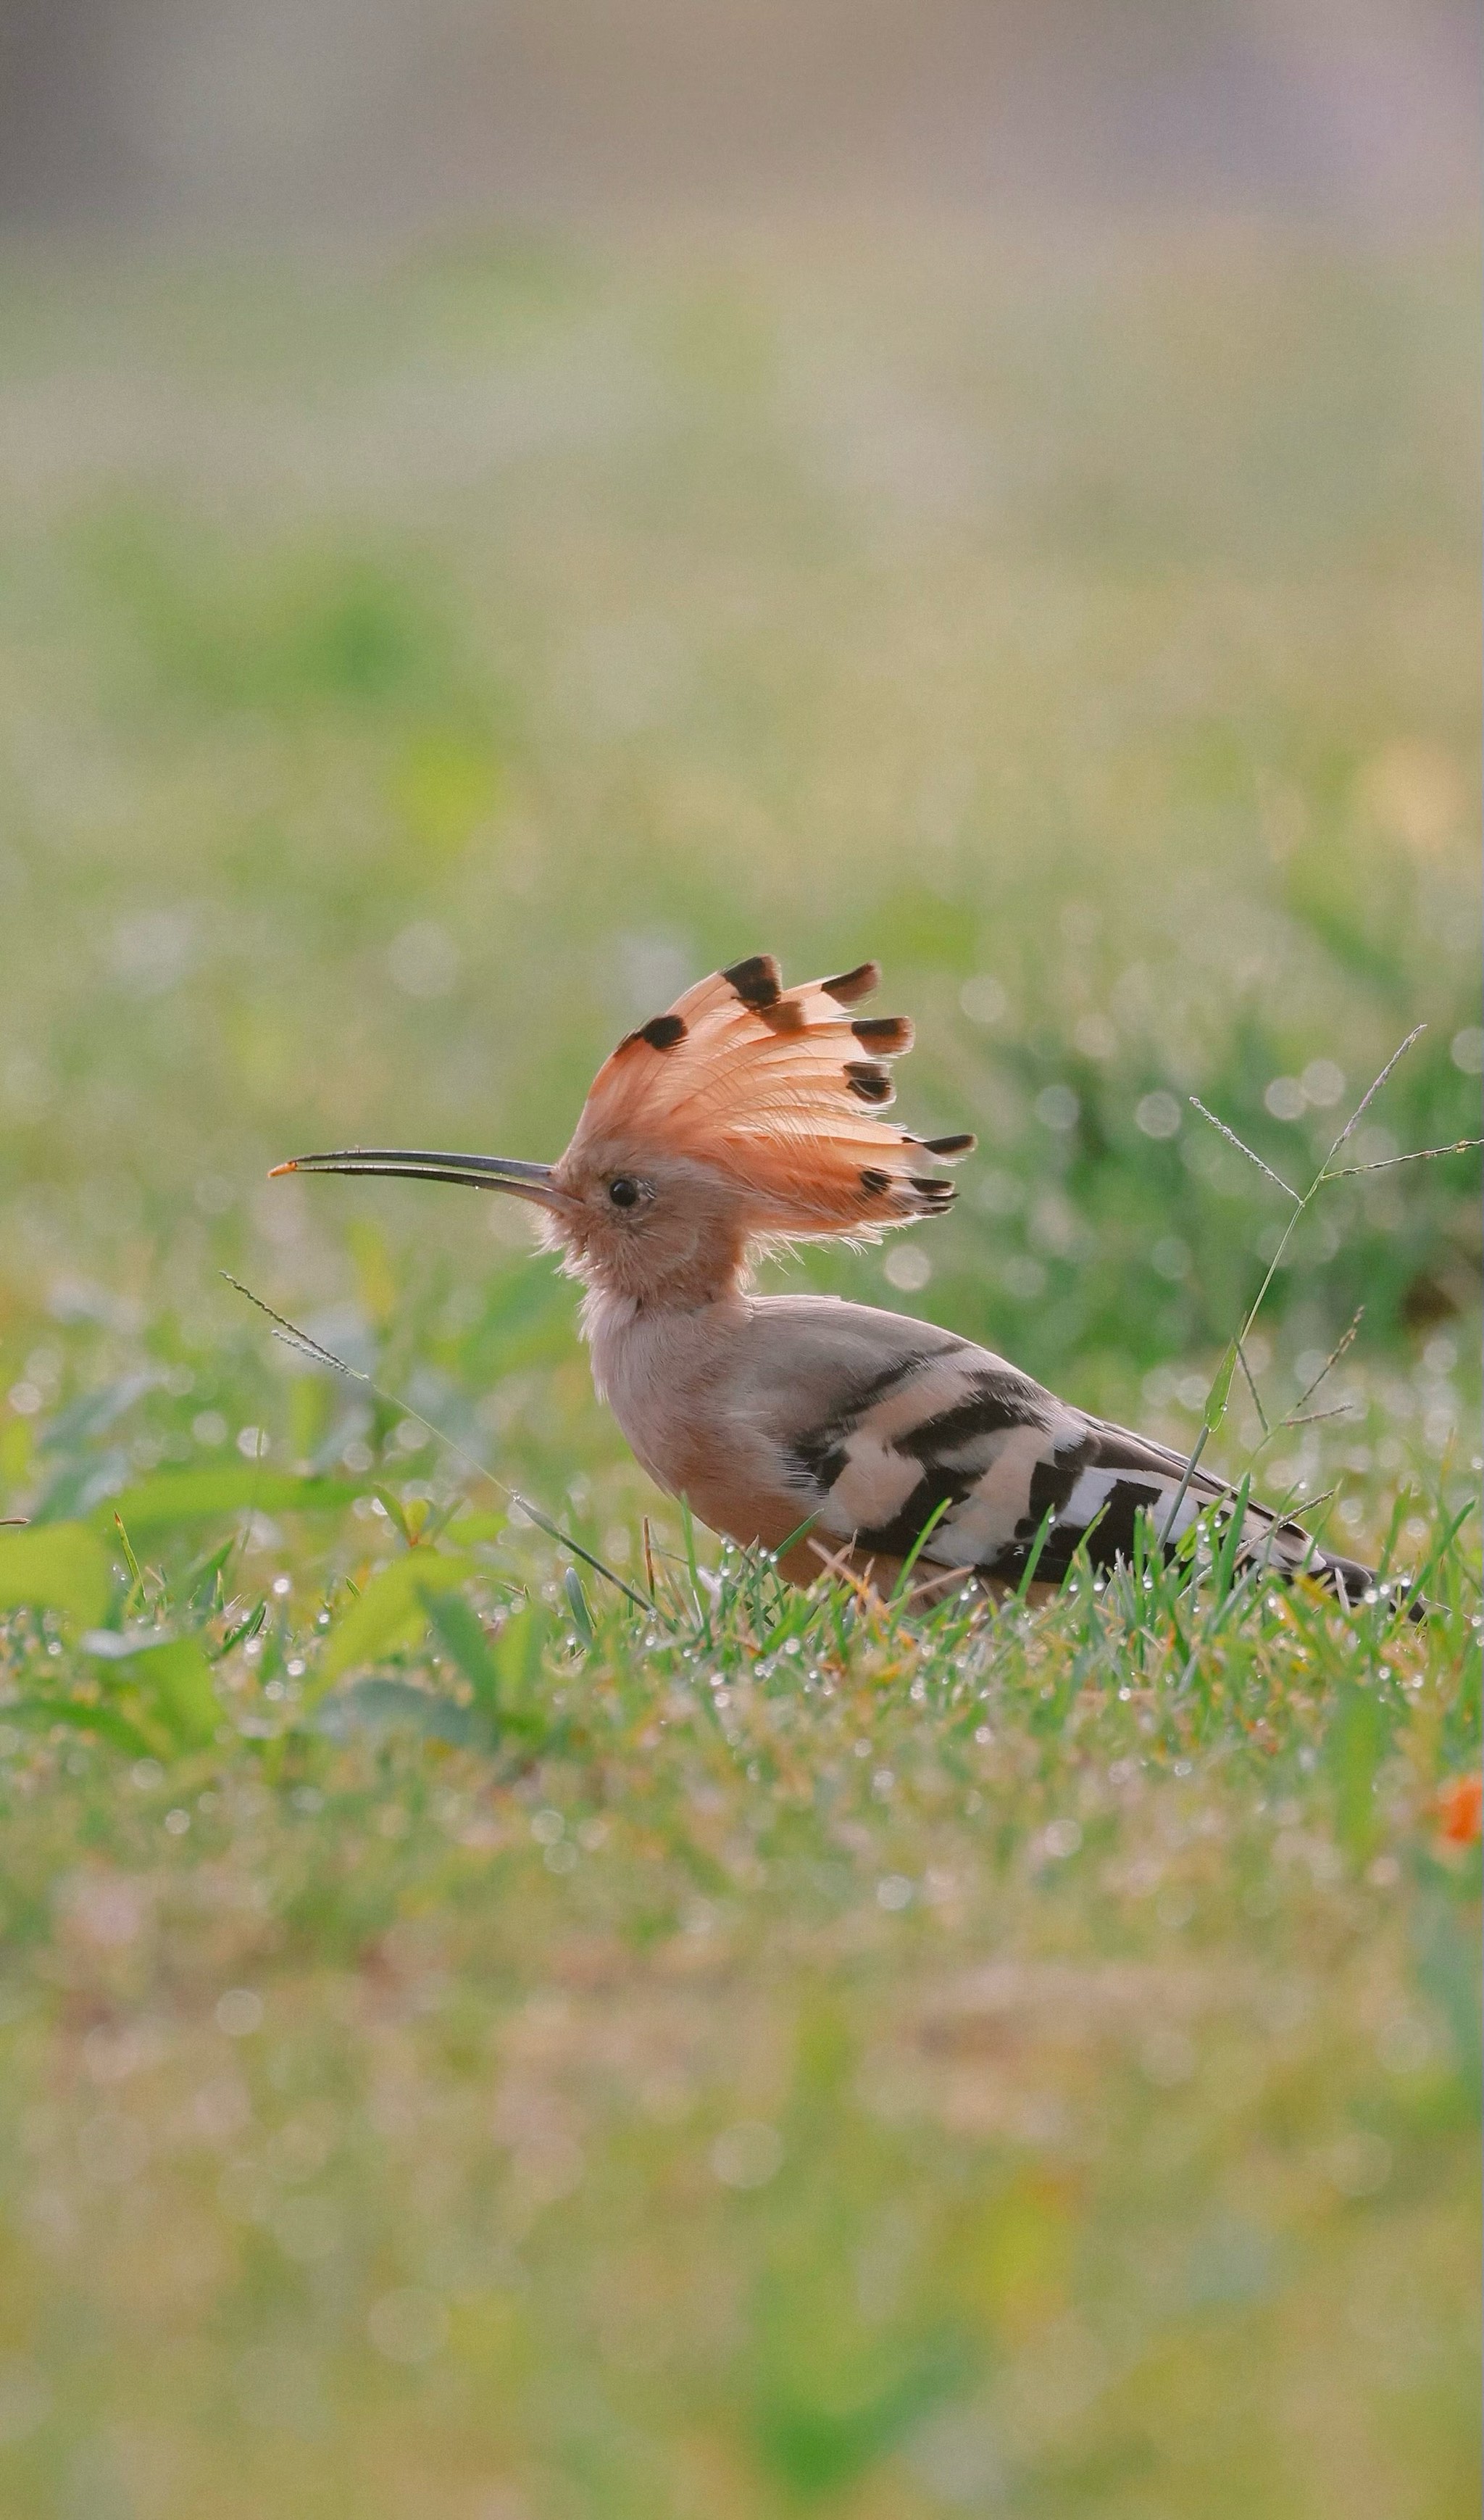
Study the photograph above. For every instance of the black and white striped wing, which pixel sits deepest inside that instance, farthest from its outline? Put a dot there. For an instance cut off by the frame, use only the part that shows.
(964, 1436)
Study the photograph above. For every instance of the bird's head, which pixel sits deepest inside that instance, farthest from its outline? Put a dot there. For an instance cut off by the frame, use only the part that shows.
(747, 1114)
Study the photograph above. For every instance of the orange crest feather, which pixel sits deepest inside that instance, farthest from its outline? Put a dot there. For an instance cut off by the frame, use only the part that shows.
(782, 1090)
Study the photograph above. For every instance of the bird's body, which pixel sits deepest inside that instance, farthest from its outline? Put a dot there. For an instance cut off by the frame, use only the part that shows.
(772, 1413)
(772, 1372)
(747, 1116)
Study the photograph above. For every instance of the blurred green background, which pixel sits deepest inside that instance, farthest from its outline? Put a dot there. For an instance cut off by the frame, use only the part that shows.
(496, 519)
(412, 678)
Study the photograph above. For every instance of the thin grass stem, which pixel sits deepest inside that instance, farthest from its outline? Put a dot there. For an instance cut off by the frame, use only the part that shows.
(1244, 1149)
(294, 1336)
(1262, 1415)
(1418, 1155)
(1370, 1095)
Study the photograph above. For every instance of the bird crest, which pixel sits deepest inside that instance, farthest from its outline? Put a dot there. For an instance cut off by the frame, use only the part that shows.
(782, 1090)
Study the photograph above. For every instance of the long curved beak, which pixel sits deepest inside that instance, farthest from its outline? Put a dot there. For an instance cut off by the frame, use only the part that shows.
(532, 1182)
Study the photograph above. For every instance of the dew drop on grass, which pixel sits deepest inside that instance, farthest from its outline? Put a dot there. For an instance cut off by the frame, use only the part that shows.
(748, 2154)
(983, 999)
(408, 2326)
(1158, 1115)
(908, 1268)
(1168, 2058)
(1358, 2164)
(240, 2013)
(1057, 1107)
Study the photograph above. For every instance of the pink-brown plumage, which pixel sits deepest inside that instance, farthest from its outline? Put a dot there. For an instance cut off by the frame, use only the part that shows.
(779, 1091)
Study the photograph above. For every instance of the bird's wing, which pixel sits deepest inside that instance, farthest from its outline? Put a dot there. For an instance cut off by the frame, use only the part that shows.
(960, 1434)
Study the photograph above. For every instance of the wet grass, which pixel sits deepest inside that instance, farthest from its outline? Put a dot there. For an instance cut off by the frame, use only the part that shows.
(475, 2044)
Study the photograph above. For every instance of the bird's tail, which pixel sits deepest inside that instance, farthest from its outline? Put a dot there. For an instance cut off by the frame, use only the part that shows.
(1286, 1551)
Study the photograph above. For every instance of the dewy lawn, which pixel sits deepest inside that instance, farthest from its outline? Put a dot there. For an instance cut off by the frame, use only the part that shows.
(474, 2044)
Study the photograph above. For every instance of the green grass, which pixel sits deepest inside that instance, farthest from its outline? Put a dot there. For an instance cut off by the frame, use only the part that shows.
(469, 2045)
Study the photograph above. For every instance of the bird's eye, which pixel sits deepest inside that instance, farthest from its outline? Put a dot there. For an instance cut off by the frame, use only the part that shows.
(624, 1192)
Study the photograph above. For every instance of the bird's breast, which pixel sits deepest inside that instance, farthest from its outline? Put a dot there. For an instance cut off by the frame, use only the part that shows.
(665, 1375)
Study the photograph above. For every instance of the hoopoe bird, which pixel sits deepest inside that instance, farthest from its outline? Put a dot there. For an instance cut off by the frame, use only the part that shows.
(751, 1116)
